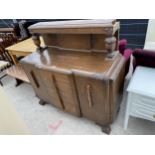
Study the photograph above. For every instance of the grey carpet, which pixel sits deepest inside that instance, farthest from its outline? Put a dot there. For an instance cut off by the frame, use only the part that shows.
(50, 120)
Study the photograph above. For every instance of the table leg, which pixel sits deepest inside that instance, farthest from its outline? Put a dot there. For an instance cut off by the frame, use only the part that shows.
(127, 112)
(15, 61)
(14, 58)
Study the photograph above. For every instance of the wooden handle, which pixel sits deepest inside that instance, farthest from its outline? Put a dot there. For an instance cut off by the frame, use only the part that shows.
(89, 96)
(34, 79)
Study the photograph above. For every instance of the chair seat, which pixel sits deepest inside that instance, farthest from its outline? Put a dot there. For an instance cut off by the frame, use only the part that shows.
(141, 95)
(142, 81)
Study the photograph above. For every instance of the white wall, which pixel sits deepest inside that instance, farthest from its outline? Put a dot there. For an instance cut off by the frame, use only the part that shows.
(150, 35)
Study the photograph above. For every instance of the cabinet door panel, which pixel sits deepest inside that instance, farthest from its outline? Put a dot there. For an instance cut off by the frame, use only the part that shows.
(50, 85)
(35, 80)
(68, 93)
(93, 95)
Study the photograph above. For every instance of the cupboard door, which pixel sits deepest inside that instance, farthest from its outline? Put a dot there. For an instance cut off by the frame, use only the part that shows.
(67, 91)
(93, 96)
(35, 80)
(50, 85)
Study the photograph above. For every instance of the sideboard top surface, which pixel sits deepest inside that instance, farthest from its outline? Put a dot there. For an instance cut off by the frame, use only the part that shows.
(95, 63)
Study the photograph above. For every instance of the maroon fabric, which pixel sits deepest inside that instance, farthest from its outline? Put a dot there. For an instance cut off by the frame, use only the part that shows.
(122, 45)
(126, 55)
(144, 58)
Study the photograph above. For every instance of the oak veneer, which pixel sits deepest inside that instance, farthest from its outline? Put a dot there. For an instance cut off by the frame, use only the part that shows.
(80, 69)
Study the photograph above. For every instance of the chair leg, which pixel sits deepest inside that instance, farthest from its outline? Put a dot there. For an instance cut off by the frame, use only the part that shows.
(1, 83)
(126, 119)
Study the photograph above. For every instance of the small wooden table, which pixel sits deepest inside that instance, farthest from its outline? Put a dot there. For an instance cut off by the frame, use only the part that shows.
(23, 48)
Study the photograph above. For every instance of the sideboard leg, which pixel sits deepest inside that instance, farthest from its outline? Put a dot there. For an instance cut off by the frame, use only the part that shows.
(41, 102)
(118, 109)
(106, 129)
(18, 82)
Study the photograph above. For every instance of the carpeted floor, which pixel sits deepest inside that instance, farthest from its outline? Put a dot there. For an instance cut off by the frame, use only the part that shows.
(50, 120)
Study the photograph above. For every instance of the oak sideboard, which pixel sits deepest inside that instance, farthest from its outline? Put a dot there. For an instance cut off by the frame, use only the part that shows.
(80, 69)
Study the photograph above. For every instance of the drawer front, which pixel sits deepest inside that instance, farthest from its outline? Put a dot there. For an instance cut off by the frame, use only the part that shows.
(143, 112)
(94, 102)
(144, 101)
(143, 107)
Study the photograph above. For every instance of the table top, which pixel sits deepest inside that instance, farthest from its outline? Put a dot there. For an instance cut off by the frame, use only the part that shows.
(25, 46)
(143, 81)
